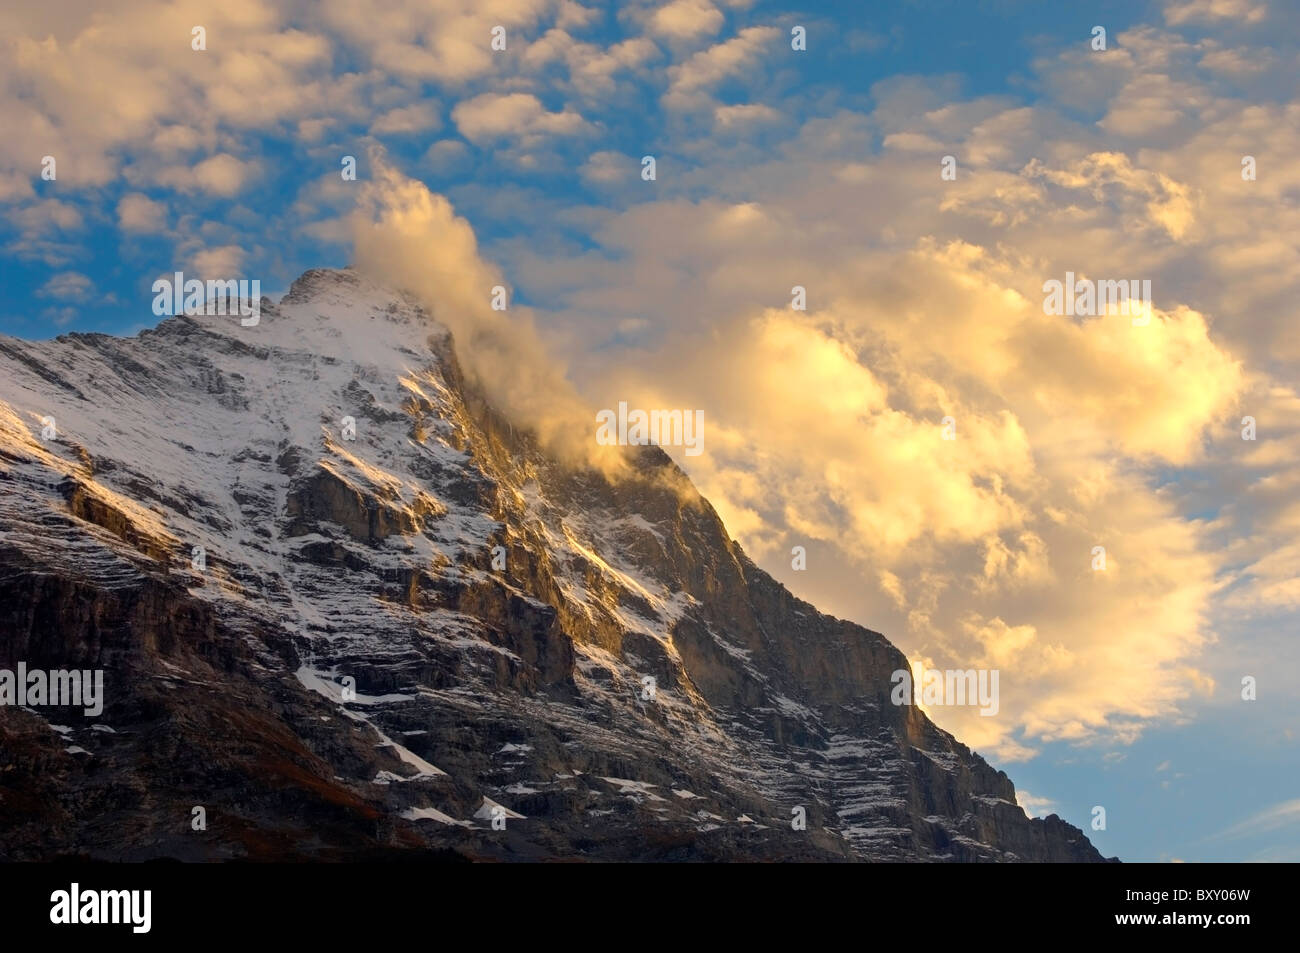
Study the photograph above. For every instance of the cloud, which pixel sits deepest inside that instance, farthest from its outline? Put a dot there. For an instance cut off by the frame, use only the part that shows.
(223, 262)
(1236, 62)
(608, 167)
(14, 187)
(44, 231)
(913, 142)
(410, 238)
(60, 317)
(689, 80)
(137, 212)
(594, 70)
(572, 14)
(417, 117)
(516, 116)
(686, 19)
(67, 89)
(68, 286)
(745, 114)
(448, 157)
(1035, 806)
(1167, 202)
(48, 216)
(447, 42)
(1178, 12)
(1281, 815)
(220, 175)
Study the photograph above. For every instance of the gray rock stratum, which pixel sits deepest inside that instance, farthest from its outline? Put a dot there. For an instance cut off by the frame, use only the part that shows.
(344, 674)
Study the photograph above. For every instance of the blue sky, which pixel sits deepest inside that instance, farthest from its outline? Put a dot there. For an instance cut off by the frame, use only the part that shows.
(821, 168)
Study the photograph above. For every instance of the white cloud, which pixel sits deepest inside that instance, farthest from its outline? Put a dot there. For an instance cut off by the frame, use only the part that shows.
(1178, 12)
(137, 212)
(417, 117)
(687, 19)
(515, 116)
(1035, 806)
(225, 261)
(68, 286)
(221, 175)
(707, 68)
(608, 167)
(745, 114)
(1280, 815)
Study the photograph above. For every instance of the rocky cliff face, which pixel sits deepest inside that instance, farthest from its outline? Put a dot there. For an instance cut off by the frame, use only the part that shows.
(311, 637)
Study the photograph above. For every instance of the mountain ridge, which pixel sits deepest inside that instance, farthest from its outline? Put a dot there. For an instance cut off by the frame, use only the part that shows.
(514, 692)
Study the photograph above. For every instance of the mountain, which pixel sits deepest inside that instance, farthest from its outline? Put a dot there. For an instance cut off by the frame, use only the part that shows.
(311, 637)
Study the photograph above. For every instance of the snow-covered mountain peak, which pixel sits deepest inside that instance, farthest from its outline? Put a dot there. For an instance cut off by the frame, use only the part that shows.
(342, 602)
(336, 313)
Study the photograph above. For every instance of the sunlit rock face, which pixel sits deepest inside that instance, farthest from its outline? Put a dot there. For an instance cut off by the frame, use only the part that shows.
(350, 612)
